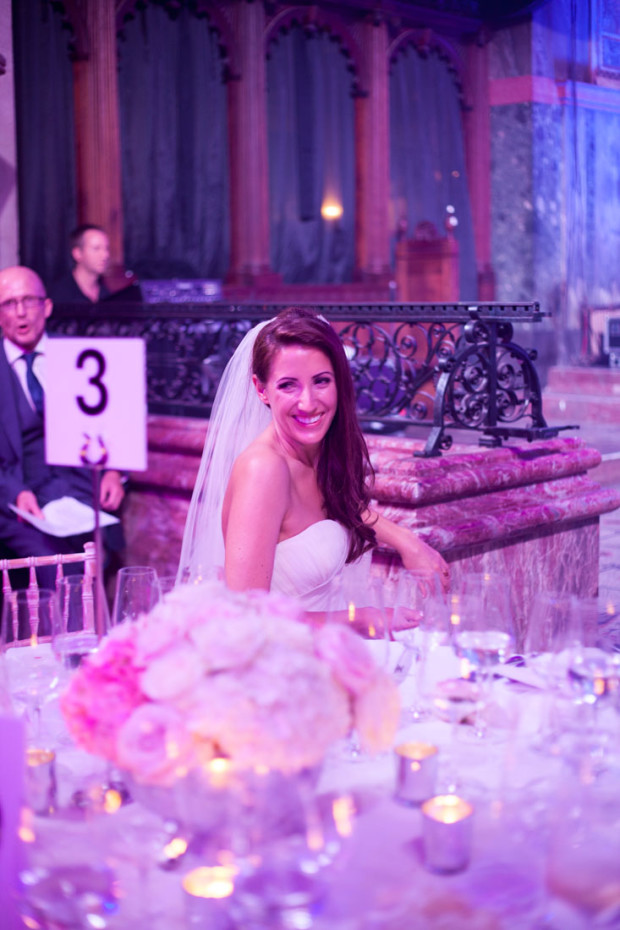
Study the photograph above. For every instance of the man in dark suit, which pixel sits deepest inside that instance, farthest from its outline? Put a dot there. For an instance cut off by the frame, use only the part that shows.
(26, 480)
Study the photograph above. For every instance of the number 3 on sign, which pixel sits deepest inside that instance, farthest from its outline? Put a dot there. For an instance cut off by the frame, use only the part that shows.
(95, 403)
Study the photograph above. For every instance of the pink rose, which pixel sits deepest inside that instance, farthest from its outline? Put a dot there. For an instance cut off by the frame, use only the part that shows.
(102, 695)
(172, 674)
(154, 745)
(347, 655)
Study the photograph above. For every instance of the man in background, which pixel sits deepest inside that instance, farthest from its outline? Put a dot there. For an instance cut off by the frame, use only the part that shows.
(26, 480)
(90, 252)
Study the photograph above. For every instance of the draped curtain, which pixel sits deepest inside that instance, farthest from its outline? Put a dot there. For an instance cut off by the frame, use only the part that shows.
(311, 159)
(427, 158)
(45, 146)
(174, 147)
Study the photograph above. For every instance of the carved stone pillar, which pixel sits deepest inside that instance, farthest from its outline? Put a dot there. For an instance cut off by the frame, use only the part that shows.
(249, 179)
(372, 153)
(477, 126)
(97, 133)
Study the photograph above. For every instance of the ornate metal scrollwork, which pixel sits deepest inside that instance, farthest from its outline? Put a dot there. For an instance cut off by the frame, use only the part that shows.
(437, 365)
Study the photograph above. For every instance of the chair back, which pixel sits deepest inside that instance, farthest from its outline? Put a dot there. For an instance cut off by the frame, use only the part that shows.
(35, 561)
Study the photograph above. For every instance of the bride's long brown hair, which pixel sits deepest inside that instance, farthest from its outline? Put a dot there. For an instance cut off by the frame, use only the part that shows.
(344, 472)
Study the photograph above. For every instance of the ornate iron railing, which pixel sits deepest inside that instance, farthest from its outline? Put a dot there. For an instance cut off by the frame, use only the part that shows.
(436, 365)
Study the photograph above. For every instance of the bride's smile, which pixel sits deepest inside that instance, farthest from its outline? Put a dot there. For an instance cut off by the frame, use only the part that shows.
(301, 393)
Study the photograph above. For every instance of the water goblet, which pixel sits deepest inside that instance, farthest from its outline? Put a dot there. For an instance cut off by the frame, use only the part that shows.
(33, 674)
(74, 636)
(137, 592)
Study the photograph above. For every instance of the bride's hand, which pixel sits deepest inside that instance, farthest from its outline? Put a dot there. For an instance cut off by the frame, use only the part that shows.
(417, 555)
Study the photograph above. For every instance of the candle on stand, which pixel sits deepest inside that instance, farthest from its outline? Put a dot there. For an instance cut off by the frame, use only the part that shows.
(447, 832)
(41, 780)
(207, 897)
(416, 771)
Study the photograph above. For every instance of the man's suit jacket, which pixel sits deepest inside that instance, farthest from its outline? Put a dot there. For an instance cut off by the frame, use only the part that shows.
(47, 482)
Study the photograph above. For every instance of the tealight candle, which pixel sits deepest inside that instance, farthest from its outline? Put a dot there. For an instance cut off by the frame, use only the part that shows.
(207, 891)
(447, 832)
(416, 772)
(41, 780)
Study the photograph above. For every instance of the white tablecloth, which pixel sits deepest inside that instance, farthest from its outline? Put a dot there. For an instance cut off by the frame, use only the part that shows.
(522, 796)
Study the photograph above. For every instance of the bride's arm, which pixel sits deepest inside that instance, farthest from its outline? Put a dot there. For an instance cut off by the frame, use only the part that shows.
(255, 505)
(415, 554)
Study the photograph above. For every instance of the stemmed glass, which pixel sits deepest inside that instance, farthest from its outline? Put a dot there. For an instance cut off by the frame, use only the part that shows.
(74, 636)
(137, 592)
(28, 616)
(420, 623)
(362, 608)
(482, 631)
(455, 700)
(552, 637)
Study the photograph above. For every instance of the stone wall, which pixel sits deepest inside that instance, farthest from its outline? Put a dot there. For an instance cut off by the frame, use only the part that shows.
(528, 511)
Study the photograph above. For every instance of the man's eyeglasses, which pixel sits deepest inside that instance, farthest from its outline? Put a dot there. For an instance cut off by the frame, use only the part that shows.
(28, 303)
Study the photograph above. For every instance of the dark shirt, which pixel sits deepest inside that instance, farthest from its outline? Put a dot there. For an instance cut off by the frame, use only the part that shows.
(66, 291)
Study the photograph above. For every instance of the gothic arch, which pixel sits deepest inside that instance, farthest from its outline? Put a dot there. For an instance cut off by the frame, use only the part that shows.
(313, 21)
(425, 41)
(202, 9)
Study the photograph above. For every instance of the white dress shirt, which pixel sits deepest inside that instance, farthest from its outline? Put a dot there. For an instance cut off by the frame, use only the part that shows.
(17, 362)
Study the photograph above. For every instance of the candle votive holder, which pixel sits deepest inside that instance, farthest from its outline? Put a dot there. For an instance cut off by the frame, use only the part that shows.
(41, 780)
(447, 833)
(207, 892)
(416, 772)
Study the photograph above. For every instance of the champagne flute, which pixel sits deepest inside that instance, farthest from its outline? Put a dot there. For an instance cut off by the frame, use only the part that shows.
(137, 592)
(28, 616)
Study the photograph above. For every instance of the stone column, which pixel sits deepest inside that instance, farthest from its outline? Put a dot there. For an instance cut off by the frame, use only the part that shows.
(97, 131)
(372, 152)
(477, 126)
(249, 178)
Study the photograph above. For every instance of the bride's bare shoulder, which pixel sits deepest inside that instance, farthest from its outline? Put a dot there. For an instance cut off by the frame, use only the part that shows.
(261, 462)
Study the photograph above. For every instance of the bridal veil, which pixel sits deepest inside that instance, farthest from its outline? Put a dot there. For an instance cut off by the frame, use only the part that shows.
(238, 416)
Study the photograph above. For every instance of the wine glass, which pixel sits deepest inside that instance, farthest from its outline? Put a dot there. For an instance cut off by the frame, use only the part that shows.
(137, 592)
(420, 622)
(362, 608)
(482, 632)
(28, 616)
(455, 700)
(74, 635)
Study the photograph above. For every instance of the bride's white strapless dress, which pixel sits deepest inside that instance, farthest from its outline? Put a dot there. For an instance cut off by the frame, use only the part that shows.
(307, 565)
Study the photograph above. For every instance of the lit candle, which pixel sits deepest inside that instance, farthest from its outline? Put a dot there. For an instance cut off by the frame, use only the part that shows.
(207, 894)
(447, 832)
(416, 772)
(41, 780)
(219, 772)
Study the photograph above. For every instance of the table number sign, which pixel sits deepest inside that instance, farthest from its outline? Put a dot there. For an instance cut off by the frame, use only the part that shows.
(11, 802)
(95, 403)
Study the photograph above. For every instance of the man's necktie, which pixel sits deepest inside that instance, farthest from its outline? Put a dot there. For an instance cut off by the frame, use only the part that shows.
(34, 385)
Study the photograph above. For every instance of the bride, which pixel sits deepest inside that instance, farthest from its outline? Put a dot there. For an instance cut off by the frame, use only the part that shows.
(282, 499)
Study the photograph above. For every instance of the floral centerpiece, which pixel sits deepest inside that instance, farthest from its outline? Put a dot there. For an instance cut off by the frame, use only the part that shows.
(210, 673)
